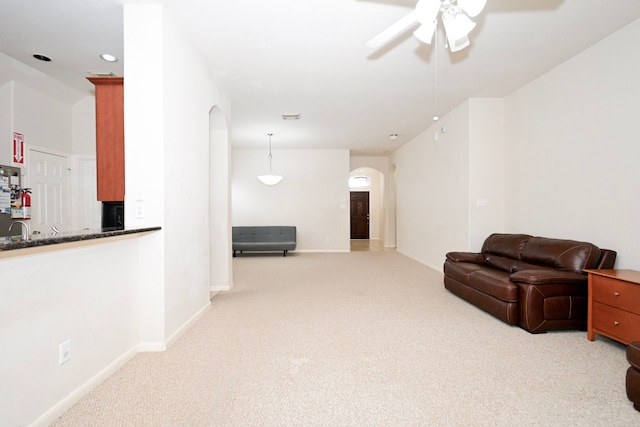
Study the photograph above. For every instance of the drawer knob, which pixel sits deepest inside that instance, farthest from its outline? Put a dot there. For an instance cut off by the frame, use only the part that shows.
(616, 293)
(615, 322)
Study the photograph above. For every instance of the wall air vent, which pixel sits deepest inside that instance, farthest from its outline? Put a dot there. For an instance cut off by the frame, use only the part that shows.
(294, 116)
(101, 73)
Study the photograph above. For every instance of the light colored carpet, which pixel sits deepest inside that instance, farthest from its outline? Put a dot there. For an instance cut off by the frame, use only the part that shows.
(360, 339)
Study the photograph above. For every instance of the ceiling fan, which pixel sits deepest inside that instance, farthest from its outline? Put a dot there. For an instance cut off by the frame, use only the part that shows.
(456, 16)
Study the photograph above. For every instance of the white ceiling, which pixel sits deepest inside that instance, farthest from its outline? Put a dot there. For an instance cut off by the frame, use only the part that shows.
(309, 57)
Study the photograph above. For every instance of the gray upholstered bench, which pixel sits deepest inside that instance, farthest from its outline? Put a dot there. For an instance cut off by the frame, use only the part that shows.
(263, 238)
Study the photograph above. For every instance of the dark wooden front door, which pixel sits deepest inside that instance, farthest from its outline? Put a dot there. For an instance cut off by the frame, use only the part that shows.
(359, 214)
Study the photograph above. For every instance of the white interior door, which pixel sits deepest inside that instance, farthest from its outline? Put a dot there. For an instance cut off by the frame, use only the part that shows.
(48, 177)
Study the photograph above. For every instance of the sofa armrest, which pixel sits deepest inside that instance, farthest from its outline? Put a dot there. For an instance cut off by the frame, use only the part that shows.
(476, 258)
(540, 277)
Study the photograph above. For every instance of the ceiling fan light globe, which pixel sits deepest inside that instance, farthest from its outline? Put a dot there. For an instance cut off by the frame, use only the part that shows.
(457, 26)
(425, 32)
(472, 7)
(427, 10)
(458, 44)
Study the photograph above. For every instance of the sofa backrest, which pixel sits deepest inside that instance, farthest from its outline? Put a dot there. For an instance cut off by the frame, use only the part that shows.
(505, 245)
(568, 255)
(263, 233)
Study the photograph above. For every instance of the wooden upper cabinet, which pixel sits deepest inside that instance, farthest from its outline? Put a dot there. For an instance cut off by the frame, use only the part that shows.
(109, 137)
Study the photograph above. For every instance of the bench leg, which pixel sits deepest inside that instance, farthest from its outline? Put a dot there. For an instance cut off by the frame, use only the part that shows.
(234, 254)
(285, 252)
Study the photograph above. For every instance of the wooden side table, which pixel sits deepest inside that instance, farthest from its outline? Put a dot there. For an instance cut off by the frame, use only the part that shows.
(614, 305)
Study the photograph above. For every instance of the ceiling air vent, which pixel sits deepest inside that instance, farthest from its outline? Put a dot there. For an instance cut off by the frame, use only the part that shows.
(294, 116)
(101, 73)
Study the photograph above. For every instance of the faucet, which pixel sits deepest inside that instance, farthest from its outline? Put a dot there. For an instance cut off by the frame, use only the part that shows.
(25, 229)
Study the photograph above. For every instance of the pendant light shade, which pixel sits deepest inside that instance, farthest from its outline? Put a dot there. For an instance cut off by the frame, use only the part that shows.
(270, 179)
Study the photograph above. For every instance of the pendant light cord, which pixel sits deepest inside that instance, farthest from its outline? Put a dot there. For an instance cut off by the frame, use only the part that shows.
(435, 74)
(270, 156)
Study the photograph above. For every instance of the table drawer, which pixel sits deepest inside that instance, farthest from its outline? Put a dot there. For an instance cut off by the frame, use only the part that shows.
(616, 323)
(616, 293)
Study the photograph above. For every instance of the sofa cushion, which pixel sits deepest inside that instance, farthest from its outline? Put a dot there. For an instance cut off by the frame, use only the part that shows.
(506, 245)
(568, 255)
(521, 265)
(495, 283)
(460, 271)
(500, 262)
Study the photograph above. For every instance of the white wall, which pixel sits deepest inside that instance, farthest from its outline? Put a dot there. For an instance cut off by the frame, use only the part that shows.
(44, 121)
(313, 195)
(566, 170)
(573, 149)
(432, 179)
(87, 293)
(486, 169)
(144, 159)
(6, 122)
(114, 298)
(167, 166)
(189, 94)
(83, 132)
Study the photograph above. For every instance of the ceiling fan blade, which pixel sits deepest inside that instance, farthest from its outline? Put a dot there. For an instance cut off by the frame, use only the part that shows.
(472, 7)
(393, 31)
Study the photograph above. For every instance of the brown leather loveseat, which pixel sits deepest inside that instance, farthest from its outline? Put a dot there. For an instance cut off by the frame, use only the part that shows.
(536, 283)
(633, 374)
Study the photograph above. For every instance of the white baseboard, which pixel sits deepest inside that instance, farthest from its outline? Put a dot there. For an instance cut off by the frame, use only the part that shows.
(189, 323)
(221, 288)
(320, 251)
(151, 347)
(72, 398)
(63, 406)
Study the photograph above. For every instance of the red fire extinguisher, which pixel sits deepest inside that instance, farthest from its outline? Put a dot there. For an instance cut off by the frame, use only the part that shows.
(26, 203)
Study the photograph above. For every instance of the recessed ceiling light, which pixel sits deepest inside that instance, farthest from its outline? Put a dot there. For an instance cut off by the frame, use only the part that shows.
(107, 57)
(42, 57)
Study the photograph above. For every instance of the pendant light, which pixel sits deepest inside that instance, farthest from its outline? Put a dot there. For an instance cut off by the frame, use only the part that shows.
(270, 179)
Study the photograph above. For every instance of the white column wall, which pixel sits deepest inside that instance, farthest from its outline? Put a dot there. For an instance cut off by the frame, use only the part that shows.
(168, 96)
(144, 159)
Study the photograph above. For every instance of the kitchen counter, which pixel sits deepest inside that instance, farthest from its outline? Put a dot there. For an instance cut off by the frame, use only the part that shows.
(38, 240)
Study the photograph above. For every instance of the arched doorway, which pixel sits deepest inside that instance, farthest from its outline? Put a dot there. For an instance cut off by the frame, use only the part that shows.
(366, 187)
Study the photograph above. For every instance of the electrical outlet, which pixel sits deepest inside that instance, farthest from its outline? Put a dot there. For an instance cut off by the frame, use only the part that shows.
(64, 352)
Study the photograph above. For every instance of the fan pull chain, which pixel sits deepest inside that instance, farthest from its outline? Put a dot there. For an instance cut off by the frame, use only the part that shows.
(435, 76)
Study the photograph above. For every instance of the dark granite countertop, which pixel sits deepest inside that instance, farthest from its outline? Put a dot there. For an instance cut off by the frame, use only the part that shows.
(36, 240)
